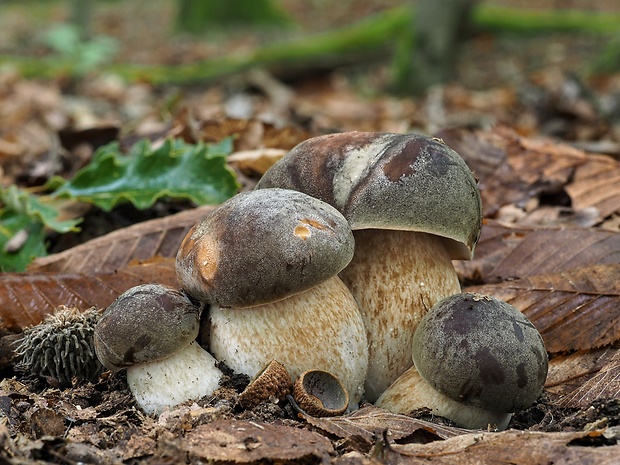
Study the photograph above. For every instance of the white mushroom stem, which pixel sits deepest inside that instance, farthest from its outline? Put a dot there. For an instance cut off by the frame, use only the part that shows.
(319, 329)
(396, 277)
(188, 374)
(410, 392)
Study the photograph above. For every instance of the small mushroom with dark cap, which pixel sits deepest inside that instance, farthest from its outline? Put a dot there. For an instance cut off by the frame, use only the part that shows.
(150, 330)
(477, 360)
(414, 206)
(267, 263)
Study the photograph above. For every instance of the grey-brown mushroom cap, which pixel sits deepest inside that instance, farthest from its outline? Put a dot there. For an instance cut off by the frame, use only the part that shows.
(387, 181)
(263, 246)
(481, 351)
(146, 323)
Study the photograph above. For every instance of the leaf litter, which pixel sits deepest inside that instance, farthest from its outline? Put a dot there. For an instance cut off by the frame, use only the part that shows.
(549, 244)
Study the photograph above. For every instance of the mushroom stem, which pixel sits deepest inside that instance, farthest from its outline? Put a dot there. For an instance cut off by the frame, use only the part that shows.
(411, 392)
(320, 328)
(188, 374)
(396, 276)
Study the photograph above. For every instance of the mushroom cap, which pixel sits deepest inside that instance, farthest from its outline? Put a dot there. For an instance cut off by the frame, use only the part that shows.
(262, 246)
(481, 351)
(377, 180)
(146, 323)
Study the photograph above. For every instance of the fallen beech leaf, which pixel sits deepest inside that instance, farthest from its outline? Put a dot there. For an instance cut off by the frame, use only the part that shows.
(511, 252)
(249, 134)
(249, 442)
(25, 299)
(141, 241)
(604, 385)
(573, 310)
(255, 161)
(370, 422)
(568, 372)
(513, 169)
(496, 241)
(597, 184)
(514, 448)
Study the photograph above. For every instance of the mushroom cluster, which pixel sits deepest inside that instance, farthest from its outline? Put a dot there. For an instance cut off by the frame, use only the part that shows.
(266, 262)
(413, 205)
(331, 266)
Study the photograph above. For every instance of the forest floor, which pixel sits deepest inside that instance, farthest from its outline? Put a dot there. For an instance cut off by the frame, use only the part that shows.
(517, 100)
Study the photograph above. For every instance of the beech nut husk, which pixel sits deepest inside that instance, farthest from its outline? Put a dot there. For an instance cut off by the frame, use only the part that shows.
(320, 393)
(272, 383)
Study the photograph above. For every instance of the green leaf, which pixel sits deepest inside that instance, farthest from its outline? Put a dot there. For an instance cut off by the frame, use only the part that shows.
(175, 170)
(12, 223)
(41, 209)
(29, 215)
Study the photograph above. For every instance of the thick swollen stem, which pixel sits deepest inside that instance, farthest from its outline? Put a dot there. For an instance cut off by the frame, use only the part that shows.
(410, 392)
(319, 329)
(396, 277)
(188, 374)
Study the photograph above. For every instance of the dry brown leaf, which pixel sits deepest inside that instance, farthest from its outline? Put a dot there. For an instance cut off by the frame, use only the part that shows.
(255, 162)
(597, 184)
(233, 441)
(249, 134)
(25, 299)
(568, 372)
(511, 252)
(141, 241)
(512, 169)
(369, 423)
(514, 448)
(604, 385)
(573, 310)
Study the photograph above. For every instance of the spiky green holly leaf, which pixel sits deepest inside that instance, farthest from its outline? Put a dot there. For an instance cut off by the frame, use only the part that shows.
(175, 170)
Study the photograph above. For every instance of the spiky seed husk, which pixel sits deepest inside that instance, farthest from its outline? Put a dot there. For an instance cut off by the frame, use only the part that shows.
(61, 347)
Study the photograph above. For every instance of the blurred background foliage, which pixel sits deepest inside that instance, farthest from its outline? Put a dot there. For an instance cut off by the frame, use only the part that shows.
(197, 41)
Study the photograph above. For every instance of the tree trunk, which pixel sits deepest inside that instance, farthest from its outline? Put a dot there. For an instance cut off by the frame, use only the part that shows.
(428, 54)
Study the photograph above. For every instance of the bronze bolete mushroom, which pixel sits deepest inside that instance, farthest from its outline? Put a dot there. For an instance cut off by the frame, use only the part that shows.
(267, 262)
(477, 360)
(413, 205)
(150, 330)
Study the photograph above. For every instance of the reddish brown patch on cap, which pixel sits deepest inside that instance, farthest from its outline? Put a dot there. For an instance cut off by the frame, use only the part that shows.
(400, 163)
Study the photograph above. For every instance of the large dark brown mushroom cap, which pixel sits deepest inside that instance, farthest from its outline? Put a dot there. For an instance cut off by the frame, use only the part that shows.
(481, 351)
(146, 323)
(262, 246)
(387, 181)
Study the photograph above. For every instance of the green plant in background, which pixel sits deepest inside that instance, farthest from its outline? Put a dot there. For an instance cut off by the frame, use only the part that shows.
(24, 218)
(174, 170)
(77, 55)
(608, 61)
(200, 16)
